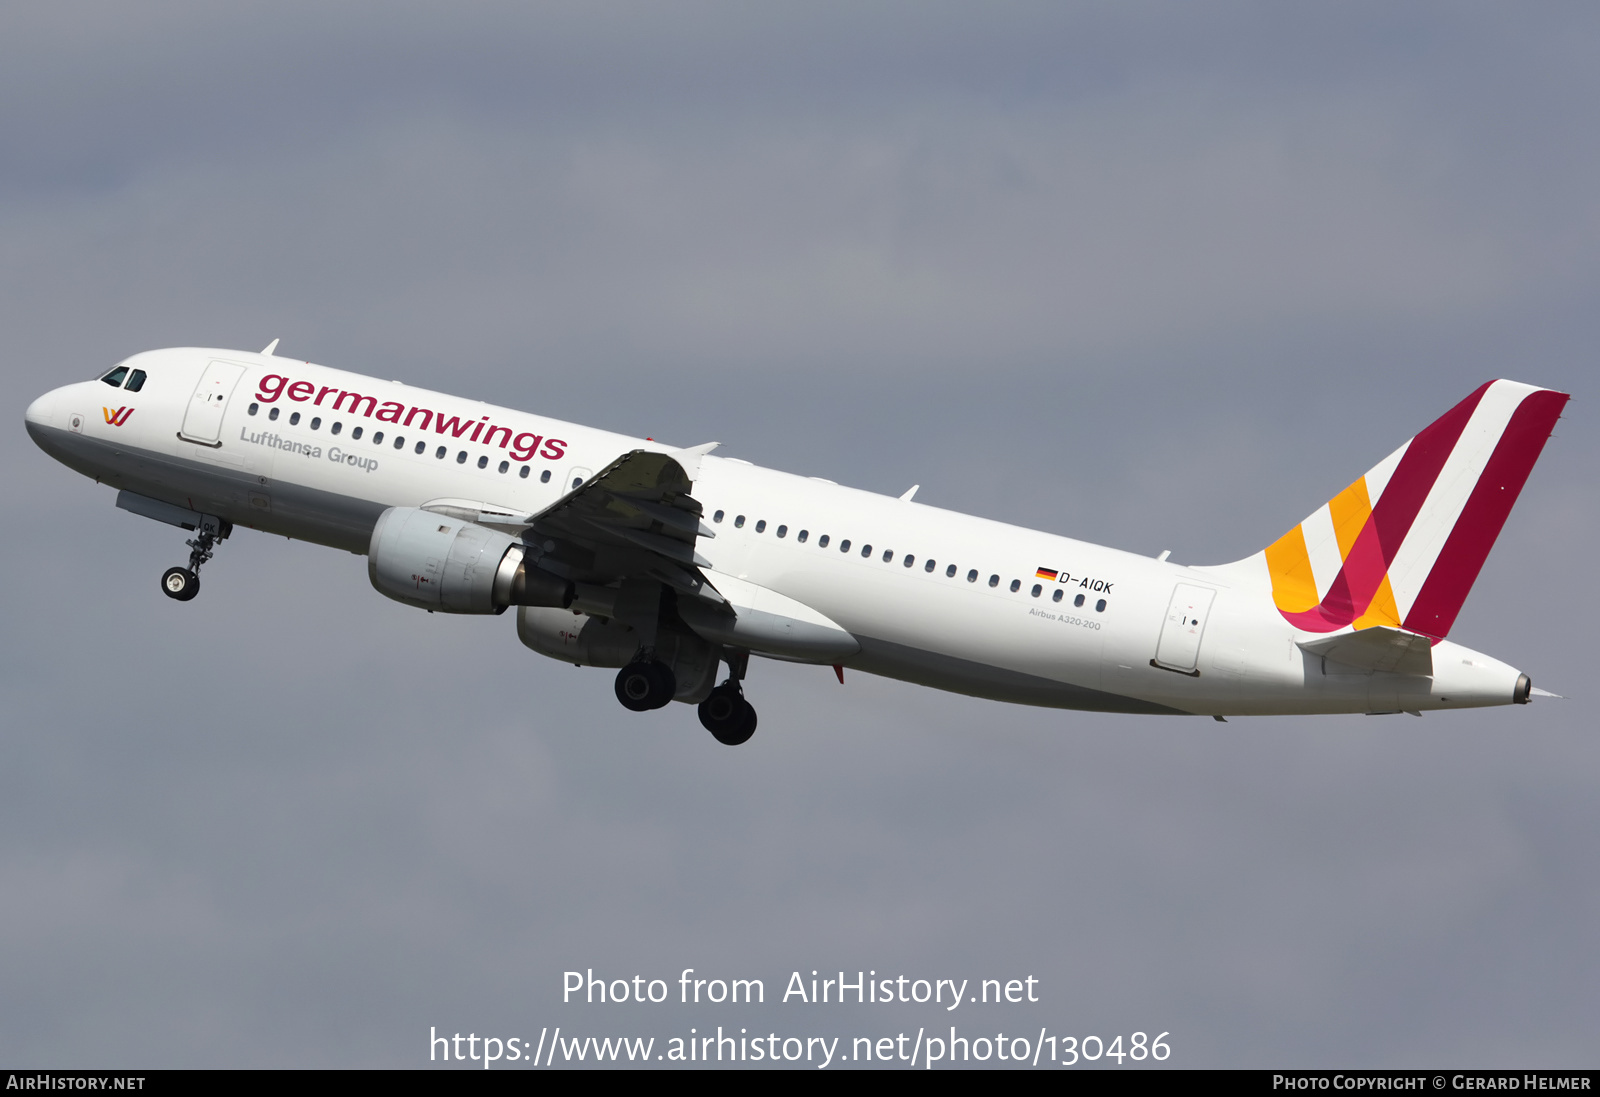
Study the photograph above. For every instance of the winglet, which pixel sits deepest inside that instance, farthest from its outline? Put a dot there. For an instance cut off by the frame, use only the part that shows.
(270, 348)
(912, 490)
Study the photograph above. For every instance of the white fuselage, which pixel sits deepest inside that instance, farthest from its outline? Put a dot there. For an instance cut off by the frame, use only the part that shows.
(994, 628)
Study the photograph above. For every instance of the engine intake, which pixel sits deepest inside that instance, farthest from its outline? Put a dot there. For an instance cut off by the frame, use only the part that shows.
(436, 562)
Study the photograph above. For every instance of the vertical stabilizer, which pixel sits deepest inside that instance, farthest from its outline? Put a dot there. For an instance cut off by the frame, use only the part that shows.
(1402, 546)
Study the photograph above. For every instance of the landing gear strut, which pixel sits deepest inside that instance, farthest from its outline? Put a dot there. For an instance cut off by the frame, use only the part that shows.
(729, 718)
(183, 584)
(646, 684)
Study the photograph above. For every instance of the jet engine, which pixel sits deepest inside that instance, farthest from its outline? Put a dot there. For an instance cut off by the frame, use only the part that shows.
(436, 562)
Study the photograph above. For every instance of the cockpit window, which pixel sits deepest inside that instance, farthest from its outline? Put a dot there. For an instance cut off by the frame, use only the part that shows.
(114, 378)
(136, 380)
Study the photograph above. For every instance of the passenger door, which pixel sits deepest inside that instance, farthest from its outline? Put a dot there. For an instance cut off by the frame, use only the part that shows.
(1179, 646)
(202, 421)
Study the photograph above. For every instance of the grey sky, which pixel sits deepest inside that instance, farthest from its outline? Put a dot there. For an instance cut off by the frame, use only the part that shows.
(1156, 276)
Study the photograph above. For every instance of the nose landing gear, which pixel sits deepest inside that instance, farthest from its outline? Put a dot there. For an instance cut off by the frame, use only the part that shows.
(182, 584)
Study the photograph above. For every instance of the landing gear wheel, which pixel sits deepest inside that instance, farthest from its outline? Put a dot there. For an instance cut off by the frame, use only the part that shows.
(729, 718)
(645, 686)
(180, 583)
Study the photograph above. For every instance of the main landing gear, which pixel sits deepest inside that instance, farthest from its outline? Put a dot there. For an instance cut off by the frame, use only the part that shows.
(183, 584)
(645, 684)
(729, 718)
(727, 715)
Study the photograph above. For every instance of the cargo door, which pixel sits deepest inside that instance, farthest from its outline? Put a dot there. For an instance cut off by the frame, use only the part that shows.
(1179, 646)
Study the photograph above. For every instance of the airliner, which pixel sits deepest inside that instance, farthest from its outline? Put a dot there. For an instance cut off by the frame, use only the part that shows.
(667, 563)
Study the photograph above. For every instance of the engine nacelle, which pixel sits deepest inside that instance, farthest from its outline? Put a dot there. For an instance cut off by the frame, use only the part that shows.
(436, 562)
(578, 638)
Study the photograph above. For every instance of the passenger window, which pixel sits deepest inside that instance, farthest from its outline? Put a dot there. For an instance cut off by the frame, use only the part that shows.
(483, 462)
(1056, 597)
(505, 466)
(544, 477)
(114, 378)
(136, 380)
(822, 542)
(254, 408)
(294, 419)
(866, 551)
(717, 517)
(888, 555)
(316, 422)
(399, 443)
(994, 580)
(972, 576)
(761, 526)
(1016, 585)
(929, 566)
(422, 447)
(802, 535)
(783, 531)
(950, 572)
(524, 472)
(355, 433)
(377, 438)
(461, 458)
(1037, 590)
(1078, 601)
(738, 523)
(273, 415)
(439, 453)
(844, 546)
(1100, 606)
(336, 428)
(909, 560)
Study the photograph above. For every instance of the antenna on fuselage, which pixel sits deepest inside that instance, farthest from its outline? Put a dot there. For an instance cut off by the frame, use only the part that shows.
(272, 346)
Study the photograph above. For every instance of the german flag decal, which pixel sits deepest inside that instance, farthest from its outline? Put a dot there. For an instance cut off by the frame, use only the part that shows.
(1045, 573)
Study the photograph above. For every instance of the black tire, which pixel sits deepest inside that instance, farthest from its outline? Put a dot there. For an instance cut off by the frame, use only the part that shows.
(180, 584)
(666, 685)
(729, 718)
(636, 687)
(645, 686)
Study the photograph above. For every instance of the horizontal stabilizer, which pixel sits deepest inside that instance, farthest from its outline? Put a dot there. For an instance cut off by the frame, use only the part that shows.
(1379, 648)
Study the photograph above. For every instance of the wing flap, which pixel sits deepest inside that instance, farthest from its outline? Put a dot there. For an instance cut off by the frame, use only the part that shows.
(634, 518)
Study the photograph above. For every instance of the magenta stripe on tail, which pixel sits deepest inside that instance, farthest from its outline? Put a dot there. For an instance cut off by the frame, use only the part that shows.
(1464, 552)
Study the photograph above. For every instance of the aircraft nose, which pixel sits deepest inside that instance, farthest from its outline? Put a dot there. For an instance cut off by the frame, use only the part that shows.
(41, 412)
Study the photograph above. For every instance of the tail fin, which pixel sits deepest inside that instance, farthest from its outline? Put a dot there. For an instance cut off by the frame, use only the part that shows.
(1402, 546)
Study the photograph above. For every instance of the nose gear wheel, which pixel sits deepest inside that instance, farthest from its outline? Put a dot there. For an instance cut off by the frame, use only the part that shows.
(182, 584)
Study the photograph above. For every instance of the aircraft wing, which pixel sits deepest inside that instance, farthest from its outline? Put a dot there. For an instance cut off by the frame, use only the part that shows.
(635, 518)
